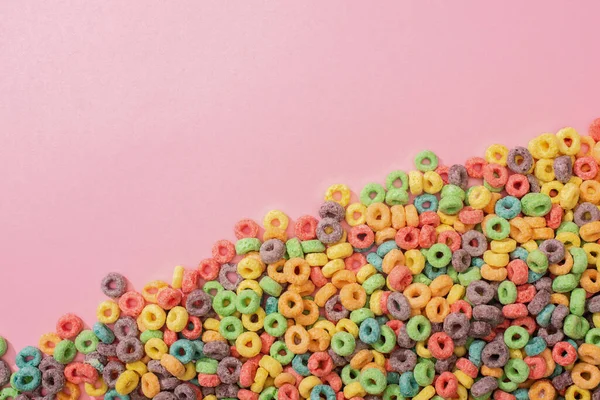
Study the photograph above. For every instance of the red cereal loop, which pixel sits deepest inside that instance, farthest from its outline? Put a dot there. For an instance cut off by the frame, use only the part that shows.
(266, 340)
(490, 337)
(245, 394)
(526, 322)
(396, 325)
(446, 385)
(440, 345)
(79, 372)
(427, 236)
(169, 337)
(466, 366)
(563, 353)
(429, 218)
(209, 269)
(513, 311)
(68, 326)
(223, 251)
(503, 325)
(288, 392)
(495, 175)
(554, 217)
(501, 395)
(208, 380)
(442, 171)
(451, 239)
(361, 237)
(305, 227)
(474, 166)
(537, 366)
(518, 271)
(594, 130)
(399, 277)
(131, 304)
(190, 281)
(407, 238)
(246, 228)
(168, 298)
(517, 185)
(383, 301)
(461, 306)
(234, 352)
(193, 330)
(320, 364)
(585, 167)
(247, 373)
(525, 293)
(469, 216)
(332, 379)
(296, 375)
(317, 277)
(355, 262)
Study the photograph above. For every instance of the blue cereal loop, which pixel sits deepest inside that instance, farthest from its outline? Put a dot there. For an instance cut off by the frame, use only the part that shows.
(432, 272)
(508, 207)
(112, 394)
(27, 379)
(519, 253)
(535, 346)
(386, 247)
(376, 261)
(475, 350)
(271, 305)
(300, 364)
(477, 262)
(534, 276)
(103, 333)
(426, 202)
(544, 317)
(28, 357)
(408, 385)
(319, 391)
(369, 331)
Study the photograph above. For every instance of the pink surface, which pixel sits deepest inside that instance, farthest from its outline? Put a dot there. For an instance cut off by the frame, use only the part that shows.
(135, 134)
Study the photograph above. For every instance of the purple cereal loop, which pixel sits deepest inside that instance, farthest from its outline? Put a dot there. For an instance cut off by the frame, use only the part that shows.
(336, 231)
(461, 260)
(563, 169)
(495, 354)
(338, 360)
(436, 327)
(441, 366)
(534, 184)
(137, 395)
(461, 341)
(225, 281)
(113, 285)
(229, 369)
(585, 213)
(458, 175)
(49, 363)
(524, 155)
(403, 339)
(271, 251)
(539, 301)
(108, 350)
(593, 304)
(207, 391)
(5, 373)
(398, 306)
(334, 310)
(53, 380)
(130, 350)
(553, 249)
(217, 350)
(551, 335)
(227, 391)
(491, 314)
(185, 392)
(198, 303)
(479, 246)
(168, 382)
(479, 292)
(457, 325)
(165, 396)
(562, 381)
(111, 372)
(544, 283)
(402, 360)
(596, 394)
(156, 367)
(333, 210)
(480, 329)
(484, 386)
(125, 327)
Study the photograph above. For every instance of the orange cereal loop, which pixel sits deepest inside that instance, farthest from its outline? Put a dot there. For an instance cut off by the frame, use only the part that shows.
(437, 309)
(378, 216)
(306, 289)
(441, 285)
(338, 193)
(398, 217)
(150, 291)
(290, 304)
(284, 378)
(493, 274)
(361, 359)
(276, 219)
(412, 215)
(542, 390)
(590, 281)
(69, 392)
(309, 315)
(418, 295)
(48, 342)
(343, 278)
(353, 296)
(275, 271)
(324, 294)
(296, 270)
(318, 340)
(585, 375)
(589, 353)
(586, 149)
(520, 230)
(590, 191)
(563, 267)
(384, 235)
(297, 339)
(392, 259)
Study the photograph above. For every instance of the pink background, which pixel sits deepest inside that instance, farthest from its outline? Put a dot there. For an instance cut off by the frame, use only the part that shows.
(135, 134)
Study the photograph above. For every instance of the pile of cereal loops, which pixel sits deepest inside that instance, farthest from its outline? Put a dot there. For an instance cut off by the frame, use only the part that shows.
(472, 281)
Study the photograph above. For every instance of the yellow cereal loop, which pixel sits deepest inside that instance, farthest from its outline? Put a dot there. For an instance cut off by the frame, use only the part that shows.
(356, 214)
(177, 277)
(156, 348)
(341, 250)
(365, 272)
(496, 154)
(248, 344)
(127, 382)
(307, 384)
(48, 342)
(447, 219)
(346, 325)
(543, 146)
(150, 291)
(351, 390)
(432, 182)
(326, 325)
(422, 351)
(503, 246)
(177, 319)
(250, 267)
(108, 312)
(98, 389)
(457, 292)
(251, 285)
(317, 259)
(544, 170)
(479, 197)
(426, 393)
(138, 367)
(399, 216)
(496, 259)
(569, 141)
(570, 239)
(276, 219)
(415, 182)
(569, 196)
(415, 261)
(338, 193)
(153, 317)
(464, 379)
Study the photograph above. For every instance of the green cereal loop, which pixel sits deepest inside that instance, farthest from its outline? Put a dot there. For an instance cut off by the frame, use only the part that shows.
(439, 255)
(373, 381)
(576, 327)
(536, 204)
(393, 176)
(450, 205)
(418, 328)
(568, 226)
(368, 190)
(294, 248)
(224, 303)
(426, 155)
(564, 283)
(247, 245)
(247, 301)
(86, 342)
(396, 197)
(516, 370)
(516, 337)
(452, 273)
(343, 343)
(421, 278)
(497, 228)
(506, 384)
(3, 346)
(349, 375)
(65, 351)
(373, 283)
(491, 188)
(269, 393)
(277, 348)
(593, 336)
(275, 324)
(470, 275)
(387, 340)
(577, 301)
(312, 246)
(207, 366)
(580, 260)
(537, 261)
(210, 286)
(231, 327)
(484, 396)
(507, 292)
(453, 190)
(358, 316)
(270, 286)
(8, 393)
(392, 392)
(424, 372)
(149, 334)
